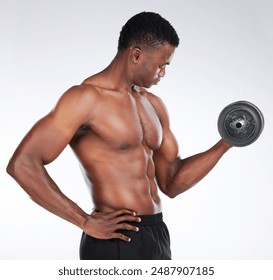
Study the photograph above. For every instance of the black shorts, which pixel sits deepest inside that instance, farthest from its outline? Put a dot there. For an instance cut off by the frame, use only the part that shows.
(152, 242)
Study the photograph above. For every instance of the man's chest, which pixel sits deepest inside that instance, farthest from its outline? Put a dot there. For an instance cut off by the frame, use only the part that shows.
(125, 123)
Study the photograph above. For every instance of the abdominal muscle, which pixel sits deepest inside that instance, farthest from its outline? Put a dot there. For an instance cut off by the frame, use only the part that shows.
(132, 196)
(122, 179)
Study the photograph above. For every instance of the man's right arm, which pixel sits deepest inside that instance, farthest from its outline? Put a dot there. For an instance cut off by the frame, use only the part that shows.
(42, 144)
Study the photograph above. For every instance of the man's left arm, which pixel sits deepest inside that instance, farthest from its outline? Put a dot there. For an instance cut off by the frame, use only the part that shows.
(175, 175)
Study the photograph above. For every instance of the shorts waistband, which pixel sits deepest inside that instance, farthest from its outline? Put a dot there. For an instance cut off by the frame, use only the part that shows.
(149, 219)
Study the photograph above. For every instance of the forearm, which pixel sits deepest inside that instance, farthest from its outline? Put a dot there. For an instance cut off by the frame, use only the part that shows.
(191, 170)
(34, 179)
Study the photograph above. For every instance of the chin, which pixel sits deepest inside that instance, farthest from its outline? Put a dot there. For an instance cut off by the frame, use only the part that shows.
(148, 85)
(152, 84)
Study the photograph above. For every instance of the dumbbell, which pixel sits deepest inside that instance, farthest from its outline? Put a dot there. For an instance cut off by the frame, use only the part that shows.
(240, 123)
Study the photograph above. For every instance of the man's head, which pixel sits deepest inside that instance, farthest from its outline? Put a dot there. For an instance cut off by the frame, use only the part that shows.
(147, 30)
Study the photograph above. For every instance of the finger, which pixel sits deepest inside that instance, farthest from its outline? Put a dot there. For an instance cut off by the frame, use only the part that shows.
(125, 226)
(121, 236)
(127, 218)
(123, 212)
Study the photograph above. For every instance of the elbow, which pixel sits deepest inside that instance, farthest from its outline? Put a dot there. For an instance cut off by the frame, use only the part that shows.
(169, 192)
(10, 169)
(17, 166)
(171, 195)
(173, 190)
(13, 168)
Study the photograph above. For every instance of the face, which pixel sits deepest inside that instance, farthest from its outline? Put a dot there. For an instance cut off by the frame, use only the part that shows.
(151, 66)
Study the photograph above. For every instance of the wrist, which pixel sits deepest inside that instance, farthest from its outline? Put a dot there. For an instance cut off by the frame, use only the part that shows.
(225, 145)
(78, 218)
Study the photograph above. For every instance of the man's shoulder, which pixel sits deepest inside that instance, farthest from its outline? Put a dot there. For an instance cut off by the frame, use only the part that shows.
(78, 100)
(85, 91)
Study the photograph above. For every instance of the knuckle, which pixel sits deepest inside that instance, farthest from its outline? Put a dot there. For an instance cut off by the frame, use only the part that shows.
(118, 235)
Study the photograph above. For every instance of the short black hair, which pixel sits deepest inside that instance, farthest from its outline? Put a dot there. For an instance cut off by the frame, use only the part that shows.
(147, 29)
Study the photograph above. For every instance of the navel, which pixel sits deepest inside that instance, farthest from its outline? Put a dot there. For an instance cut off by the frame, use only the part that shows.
(124, 146)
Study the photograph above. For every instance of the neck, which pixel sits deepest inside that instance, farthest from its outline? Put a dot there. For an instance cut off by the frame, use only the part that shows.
(119, 73)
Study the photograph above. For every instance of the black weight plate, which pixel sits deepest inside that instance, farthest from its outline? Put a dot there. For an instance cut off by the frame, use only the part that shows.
(240, 123)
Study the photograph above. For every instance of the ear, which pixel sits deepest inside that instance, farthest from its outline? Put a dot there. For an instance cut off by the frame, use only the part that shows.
(135, 54)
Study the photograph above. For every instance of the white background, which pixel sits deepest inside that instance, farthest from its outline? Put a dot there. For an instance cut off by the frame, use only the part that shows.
(225, 55)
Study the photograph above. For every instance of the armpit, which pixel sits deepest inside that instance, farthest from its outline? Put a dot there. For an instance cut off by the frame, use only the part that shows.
(82, 130)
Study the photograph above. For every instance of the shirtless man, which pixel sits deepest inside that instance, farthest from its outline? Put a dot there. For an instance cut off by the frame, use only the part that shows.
(121, 135)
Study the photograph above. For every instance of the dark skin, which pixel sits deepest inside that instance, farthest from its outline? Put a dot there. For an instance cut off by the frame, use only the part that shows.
(121, 135)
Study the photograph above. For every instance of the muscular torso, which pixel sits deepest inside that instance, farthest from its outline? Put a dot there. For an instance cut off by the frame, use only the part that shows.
(115, 148)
